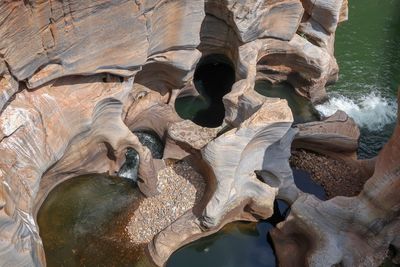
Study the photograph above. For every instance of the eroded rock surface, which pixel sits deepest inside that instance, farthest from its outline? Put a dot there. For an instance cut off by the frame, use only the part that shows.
(262, 142)
(354, 231)
(78, 77)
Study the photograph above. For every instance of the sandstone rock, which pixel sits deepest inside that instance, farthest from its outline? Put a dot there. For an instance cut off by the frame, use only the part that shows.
(354, 231)
(235, 155)
(66, 128)
(36, 130)
(325, 12)
(260, 143)
(314, 31)
(254, 19)
(337, 134)
(44, 40)
(98, 70)
(192, 135)
(8, 85)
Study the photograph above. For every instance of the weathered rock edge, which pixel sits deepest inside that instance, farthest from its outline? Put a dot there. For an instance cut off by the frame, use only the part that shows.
(77, 77)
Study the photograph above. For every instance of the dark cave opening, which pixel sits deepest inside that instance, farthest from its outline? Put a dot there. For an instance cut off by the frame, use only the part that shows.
(213, 78)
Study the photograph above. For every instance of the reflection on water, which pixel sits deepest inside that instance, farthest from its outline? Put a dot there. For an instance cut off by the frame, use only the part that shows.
(301, 108)
(368, 54)
(241, 244)
(82, 222)
(236, 245)
(303, 181)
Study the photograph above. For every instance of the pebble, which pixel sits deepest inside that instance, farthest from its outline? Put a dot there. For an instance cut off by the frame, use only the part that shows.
(337, 178)
(181, 187)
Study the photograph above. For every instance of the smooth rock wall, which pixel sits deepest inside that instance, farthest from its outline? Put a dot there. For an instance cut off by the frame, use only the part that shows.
(76, 77)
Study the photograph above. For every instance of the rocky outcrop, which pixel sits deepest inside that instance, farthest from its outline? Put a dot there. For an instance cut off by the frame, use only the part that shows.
(44, 40)
(77, 77)
(353, 231)
(262, 142)
(252, 20)
(70, 125)
(66, 129)
(336, 134)
(335, 139)
(8, 86)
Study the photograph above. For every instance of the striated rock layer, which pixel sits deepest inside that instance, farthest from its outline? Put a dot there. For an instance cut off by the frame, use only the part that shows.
(77, 77)
(352, 231)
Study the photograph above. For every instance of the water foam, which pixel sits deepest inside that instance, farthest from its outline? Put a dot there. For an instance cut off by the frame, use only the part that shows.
(370, 111)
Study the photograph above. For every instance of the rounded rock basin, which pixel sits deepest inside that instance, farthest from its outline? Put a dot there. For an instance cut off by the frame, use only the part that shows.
(82, 222)
(302, 109)
(240, 244)
(213, 78)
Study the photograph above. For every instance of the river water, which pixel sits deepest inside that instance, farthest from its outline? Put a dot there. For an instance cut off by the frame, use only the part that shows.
(367, 49)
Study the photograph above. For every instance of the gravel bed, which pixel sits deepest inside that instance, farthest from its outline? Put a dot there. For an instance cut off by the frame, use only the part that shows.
(181, 188)
(335, 176)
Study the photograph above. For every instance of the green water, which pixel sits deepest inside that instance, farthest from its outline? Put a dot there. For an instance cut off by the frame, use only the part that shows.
(301, 108)
(236, 245)
(82, 222)
(367, 49)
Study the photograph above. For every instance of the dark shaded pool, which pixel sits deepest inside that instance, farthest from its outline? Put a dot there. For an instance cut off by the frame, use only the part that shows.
(303, 181)
(82, 222)
(301, 108)
(238, 244)
(213, 78)
(241, 244)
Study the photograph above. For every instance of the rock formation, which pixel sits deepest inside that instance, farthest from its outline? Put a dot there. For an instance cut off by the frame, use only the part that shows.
(345, 231)
(78, 77)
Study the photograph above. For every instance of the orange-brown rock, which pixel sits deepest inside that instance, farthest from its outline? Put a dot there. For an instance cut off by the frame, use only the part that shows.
(350, 231)
(77, 77)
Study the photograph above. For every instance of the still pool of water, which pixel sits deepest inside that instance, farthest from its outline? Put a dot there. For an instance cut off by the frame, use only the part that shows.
(236, 245)
(213, 78)
(82, 222)
(301, 108)
(241, 244)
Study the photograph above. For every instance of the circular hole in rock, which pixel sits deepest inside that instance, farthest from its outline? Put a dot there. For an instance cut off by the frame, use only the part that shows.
(302, 109)
(149, 139)
(213, 78)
